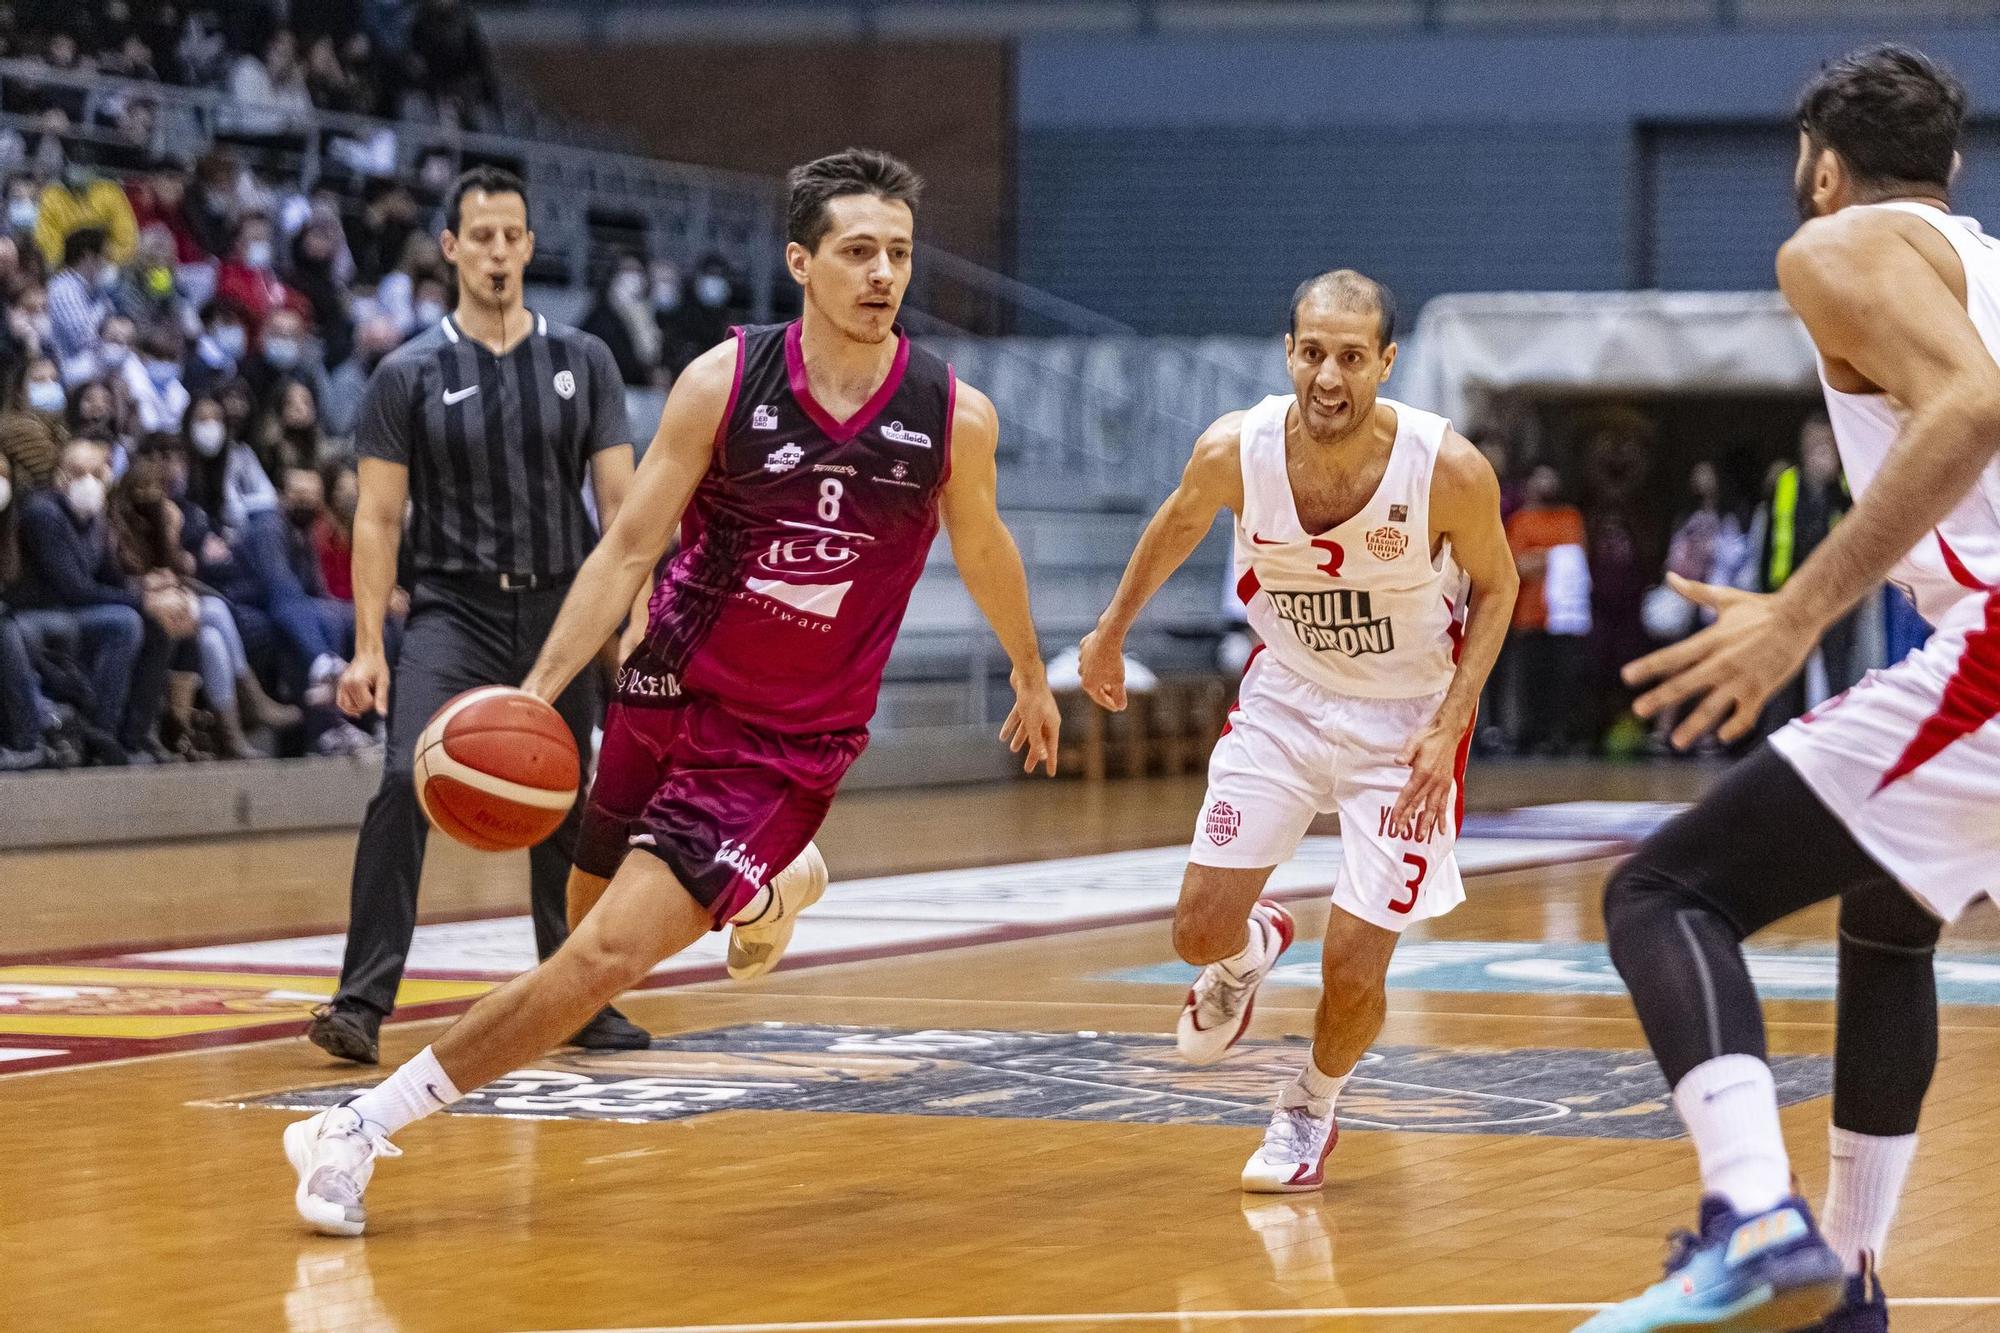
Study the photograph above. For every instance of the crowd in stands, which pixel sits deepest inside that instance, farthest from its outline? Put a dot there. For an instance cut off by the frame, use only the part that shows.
(182, 359)
(1593, 548)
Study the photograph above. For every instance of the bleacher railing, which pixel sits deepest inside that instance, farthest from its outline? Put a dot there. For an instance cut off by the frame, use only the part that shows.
(1096, 414)
(680, 211)
(592, 19)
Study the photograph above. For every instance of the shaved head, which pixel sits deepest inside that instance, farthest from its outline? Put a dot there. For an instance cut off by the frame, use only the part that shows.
(1353, 292)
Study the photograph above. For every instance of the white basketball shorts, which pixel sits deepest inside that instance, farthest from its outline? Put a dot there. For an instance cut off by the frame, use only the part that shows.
(1294, 750)
(1909, 761)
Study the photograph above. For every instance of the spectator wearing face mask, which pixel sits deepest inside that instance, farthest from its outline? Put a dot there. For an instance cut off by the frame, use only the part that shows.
(340, 405)
(220, 350)
(24, 209)
(286, 350)
(622, 316)
(32, 426)
(74, 598)
(79, 295)
(305, 513)
(25, 714)
(398, 295)
(702, 318)
(148, 530)
(249, 279)
(159, 398)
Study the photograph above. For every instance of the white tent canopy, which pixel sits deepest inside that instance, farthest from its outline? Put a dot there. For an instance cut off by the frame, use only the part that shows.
(1613, 342)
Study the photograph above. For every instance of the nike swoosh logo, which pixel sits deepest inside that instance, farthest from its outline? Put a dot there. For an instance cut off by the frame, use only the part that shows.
(459, 395)
(1264, 541)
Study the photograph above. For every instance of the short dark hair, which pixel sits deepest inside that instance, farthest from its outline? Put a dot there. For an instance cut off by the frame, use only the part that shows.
(1349, 289)
(486, 180)
(855, 171)
(82, 244)
(1892, 114)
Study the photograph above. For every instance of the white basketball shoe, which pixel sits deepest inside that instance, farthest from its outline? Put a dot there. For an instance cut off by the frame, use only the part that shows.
(1296, 1145)
(756, 946)
(334, 1154)
(1219, 1004)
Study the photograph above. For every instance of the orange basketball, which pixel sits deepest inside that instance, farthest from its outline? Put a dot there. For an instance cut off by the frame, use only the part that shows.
(496, 769)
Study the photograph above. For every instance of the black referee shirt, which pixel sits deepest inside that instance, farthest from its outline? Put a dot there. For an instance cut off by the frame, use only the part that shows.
(498, 447)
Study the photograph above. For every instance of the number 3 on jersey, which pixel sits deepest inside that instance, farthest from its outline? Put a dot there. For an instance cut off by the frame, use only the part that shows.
(830, 491)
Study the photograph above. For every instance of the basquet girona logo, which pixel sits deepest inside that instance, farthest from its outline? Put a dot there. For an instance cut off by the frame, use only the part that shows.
(1225, 821)
(1387, 543)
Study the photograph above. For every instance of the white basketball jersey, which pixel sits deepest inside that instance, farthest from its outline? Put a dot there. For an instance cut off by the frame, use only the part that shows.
(1961, 558)
(1363, 609)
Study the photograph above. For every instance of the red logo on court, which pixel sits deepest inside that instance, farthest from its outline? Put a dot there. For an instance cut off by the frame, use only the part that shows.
(1224, 823)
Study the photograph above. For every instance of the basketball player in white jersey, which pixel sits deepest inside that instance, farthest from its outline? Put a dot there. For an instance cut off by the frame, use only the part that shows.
(1360, 523)
(1888, 797)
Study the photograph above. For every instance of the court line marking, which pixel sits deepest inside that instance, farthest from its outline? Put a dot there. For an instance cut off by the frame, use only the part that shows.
(1196, 1316)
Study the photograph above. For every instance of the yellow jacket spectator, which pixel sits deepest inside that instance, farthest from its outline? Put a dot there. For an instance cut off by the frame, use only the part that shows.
(93, 202)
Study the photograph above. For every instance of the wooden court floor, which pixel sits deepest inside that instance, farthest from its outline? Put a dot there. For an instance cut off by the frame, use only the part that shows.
(138, 1195)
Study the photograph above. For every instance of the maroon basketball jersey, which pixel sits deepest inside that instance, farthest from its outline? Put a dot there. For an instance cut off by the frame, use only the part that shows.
(801, 546)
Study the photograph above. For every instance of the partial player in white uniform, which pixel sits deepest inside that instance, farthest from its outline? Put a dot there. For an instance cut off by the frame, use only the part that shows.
(1375, 571)
(1887, 797)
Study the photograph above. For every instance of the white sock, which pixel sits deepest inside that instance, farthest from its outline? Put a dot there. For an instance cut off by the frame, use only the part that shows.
(1245, 961)
(1862, 1191)
(408, 1095)
(1314, 1089)
(1730, 1107)
(755, 908)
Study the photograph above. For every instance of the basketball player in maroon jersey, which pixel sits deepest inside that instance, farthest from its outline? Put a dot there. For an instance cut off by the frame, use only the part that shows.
(808, 466)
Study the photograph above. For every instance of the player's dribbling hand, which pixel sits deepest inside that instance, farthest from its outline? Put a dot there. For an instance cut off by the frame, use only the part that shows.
(364, 686)
(1432, 758)
(1729, 670)
(1101, 665)
(1034, 724)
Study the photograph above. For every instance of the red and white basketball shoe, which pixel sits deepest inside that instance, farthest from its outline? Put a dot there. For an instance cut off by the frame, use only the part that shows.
(1219, 1004)
(1296, 1146)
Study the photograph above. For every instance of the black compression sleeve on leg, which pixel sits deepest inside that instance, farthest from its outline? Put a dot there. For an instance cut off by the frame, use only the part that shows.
(1886, 1049)
(1760, 846)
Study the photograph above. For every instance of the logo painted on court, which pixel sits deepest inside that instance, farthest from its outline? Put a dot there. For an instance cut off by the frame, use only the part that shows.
(1084, 1076)
(1487, 967)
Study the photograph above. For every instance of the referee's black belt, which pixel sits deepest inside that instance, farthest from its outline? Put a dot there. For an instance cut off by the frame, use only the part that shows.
(486, 580)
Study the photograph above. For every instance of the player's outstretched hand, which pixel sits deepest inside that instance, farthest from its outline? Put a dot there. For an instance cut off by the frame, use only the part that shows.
(364, 686)
(1034, 724)
(1102, 668)
(1432, 758)
(1729, 671)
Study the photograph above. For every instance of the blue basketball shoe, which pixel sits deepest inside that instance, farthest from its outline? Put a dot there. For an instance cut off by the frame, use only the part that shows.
(1767, 1273)
(1862, 1309)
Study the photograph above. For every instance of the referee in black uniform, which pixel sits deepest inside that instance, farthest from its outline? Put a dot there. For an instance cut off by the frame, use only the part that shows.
(484, 427)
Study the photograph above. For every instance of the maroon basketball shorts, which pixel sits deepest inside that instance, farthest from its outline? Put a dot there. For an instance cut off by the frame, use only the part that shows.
(725, 804)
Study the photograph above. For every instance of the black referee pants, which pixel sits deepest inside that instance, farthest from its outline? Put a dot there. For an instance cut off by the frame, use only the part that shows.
(461, 633)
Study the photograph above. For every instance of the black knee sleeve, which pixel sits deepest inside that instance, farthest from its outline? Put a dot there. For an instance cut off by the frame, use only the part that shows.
(1887, 1043)
(1758, 847)
(1682, 961)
